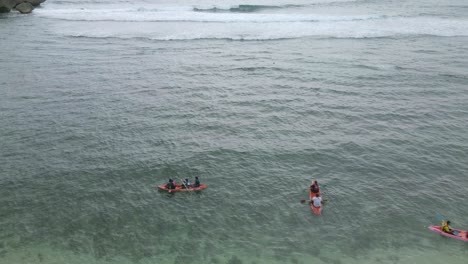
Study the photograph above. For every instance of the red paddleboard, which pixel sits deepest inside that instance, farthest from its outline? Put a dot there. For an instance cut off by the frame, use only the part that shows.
(462, 234)
(180, 189)
(316, 210)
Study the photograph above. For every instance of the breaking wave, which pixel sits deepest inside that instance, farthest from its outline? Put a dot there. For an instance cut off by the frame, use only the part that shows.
(242, 22)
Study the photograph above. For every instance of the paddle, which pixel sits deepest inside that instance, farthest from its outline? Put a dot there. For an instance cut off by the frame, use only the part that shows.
(455, 232)
(186, 187)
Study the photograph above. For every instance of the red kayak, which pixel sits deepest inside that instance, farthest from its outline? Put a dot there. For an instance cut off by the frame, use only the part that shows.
(460, 234)
(316, 210)
(181, 188)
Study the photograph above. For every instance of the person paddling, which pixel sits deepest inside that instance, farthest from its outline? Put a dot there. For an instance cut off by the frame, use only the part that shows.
(316, 201)
(446, 227)
(186, 184)
(314, 188)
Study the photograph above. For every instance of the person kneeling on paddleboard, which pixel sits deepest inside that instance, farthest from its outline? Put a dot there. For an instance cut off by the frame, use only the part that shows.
(446, 227)
(314, 188)
(316, 201)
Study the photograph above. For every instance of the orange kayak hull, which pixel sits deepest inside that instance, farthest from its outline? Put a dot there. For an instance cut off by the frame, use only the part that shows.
(181, 188)
(462, 234)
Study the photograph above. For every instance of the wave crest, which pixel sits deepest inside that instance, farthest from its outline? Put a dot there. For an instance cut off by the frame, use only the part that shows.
(242, 8)
(159, 23)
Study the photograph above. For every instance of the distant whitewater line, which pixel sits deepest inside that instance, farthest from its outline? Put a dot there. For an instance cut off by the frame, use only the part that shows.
(241, 38)
(241, 22)
(145, 15)
(246, 8)
(218, 5)
(243, 8)
(393, 27)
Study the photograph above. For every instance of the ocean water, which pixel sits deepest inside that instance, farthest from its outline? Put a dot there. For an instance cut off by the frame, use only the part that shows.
(100, 101)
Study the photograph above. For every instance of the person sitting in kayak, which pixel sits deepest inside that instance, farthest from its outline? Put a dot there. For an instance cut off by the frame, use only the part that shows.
(186, 184)
(317, 201)
(171, 184)
(446, 227)
(197, 183)
(314, 188)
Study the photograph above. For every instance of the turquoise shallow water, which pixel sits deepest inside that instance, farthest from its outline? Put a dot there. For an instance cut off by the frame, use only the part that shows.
(96, 113)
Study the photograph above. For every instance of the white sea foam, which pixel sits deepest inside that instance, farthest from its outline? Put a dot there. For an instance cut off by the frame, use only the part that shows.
(345, 28)
(166, 22)
(156, 15)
